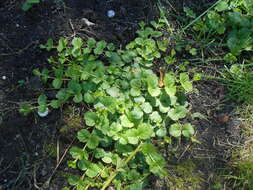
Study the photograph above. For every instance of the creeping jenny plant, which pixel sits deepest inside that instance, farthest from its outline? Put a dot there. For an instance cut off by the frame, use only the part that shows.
(128, 107)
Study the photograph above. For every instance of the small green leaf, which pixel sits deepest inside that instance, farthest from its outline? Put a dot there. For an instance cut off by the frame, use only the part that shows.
(42, 109)
(78, 153)
(74, 87)
(77, 43)
(83, 164)
(177, 113)
(187, 130)
(163, 45)
(175, 130)
(136, 113)
(193, 51)
(88, 98)
(62, 94)
(111, 47)
(25, 109)
(26, 6)
(55, 104)
(65, 188)
(140, 99)
(154, 91)
(113, 91)
(169, 60)
(42, 100)
(83, 135)
(78, 98)
(92, 171)
(36, 72)
(146, 107)
(91, 43)
(93, 142)
(107, 159)
(135, 92)
(136, 186)
(197, 76)
(161, 132)
(100, 47)
(91, 118)
(144, 131)
(57, 83)
(99, 153)
(125, 122)
(189, 12)
(185, 82)
(62, 44)
(73, 180)
(222, 6)
(155, 117)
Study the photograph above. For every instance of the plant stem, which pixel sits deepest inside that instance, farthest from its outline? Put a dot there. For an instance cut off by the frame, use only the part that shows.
(114, 174)
(196, 19)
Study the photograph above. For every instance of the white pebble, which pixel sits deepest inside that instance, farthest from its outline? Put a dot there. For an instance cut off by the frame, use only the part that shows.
(111, 13)
(36, 154)
(43, 114)
(4, 77)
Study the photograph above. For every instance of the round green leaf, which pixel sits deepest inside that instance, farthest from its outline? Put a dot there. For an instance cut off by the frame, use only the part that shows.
(83, 164)
(161, 132)
(88, 98)
(187, 130)
(125, 122)
(175, 130)
(83, 135)
(78, 98)
(113, 91)
(177, 113)
(185, 82)
(92, 170)
(42, 100)
(144, 131)
(78, 153)
(136, 113)
(155, 117)
(73, 180)
(93, 142)
(135, 92)
(146, 107)
(100, 47)
(154, 91)
(55, 104)
(57, 83)
(99, 153)
(107, 159)
(91, 118)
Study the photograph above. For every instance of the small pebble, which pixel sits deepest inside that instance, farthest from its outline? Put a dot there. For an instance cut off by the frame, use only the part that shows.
(43, 114)
(36, 154)
(5, 180)
(111, 13)
(4, 77)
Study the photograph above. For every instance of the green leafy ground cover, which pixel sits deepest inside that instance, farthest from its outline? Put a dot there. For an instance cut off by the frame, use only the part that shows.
(128, 107)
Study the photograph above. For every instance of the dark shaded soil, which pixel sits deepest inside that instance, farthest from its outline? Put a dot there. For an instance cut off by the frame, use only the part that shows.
(24, 164)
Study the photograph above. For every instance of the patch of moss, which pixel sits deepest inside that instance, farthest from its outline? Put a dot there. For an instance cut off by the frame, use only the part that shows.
(72, 119)
(184, 177)
(50, 149)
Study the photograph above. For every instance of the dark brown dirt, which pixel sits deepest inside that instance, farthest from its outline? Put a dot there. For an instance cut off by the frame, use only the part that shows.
(23, 162)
